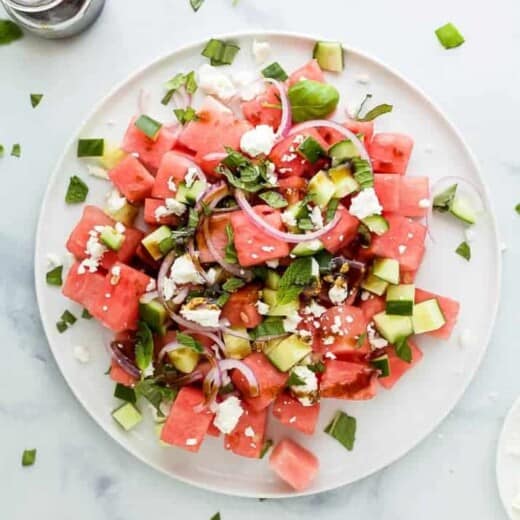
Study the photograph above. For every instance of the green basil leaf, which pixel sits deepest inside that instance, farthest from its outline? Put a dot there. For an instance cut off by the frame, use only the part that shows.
(343, 429)
(230, 252)
(332, 207)
(449, 36)
(125, 393)
(28, 457)
(189, 341)
(269, 327)
(185, 115)
(154, 393)
(232, 284)
(9, 32)
(61, 326)
(90, 147)
(68, 318)
(35, 99)
(196, 4)
(16, 150)
(216, 516)
(443, 201)
(86, 315)
(294, 279)
(294, 380)
(312, 100)
(77, 191)
(275, 71)
(143, 346)
(274, 199)
(464, 250)
(150, 127)
(377, 111)
(54, 276)
(317, 368)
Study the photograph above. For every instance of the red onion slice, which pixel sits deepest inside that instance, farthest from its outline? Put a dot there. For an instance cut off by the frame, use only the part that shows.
(214, 156)
(286, 119)
(235, 364)
(276, 233)
(123, 361)
(163, 274)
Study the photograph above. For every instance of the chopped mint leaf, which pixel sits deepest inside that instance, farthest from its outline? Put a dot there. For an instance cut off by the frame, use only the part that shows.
(150, 127)
(382, 364)
(317, 368)
(361, 339)
(125, 393)
(28, 457)
(269, 327)
(222, 299)
(86, 315)
(178, 81)
(449, 36)
(143, 346)
(232, 284)
(191, 82)
(53, 277)
(216, 516)
(155, 394)
(265, 448)
(35, 99)
(189, 341)
(294, 279)
(343, 429)
(61, 326)
(206, 209)
(517, 208)
(77, 191)
(90, 147)
(219, 52)
(403, 350)
(377, 111)
(16, 150)
(193, 219)
(464, 250)
(331, 210)
(9, 32)
(274, 199)
(68, 317)
(242, 173)
(196, 4)
(230, 252)
(294, 380)
(275, 71)
(185, 115)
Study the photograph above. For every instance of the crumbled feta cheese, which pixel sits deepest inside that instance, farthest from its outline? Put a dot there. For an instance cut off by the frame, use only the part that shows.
(262, 307)
(467, 338)
(152, 285)
(304, 333)
(316, 217)
(97, 171)
(291, 322)
(249, 432)
(259, 140)
(402, 249)
(272, 178)
(120, 227)
(261, 51)
(469, 234)
(211, 275)
(191, 175)
(315, 268)
(184, 271)
(273, 264)
(315, 309)
(53, 260)
(424, 203)
(365, 295)
(336, 327)
(81, 353)
(205, 317)
(249, 85)
(228, 413)
(305, 393)
(292, 419)
(410, 235)
(365, 204)
(104, 308)
(171, 185)
(115, 201)
(94, 250)
(288, 157)
(191, 442)
(338, 294)
(285, 170)
(171, 207)
(215, 82)
(169, 288)
(288, 218)
(374, 339)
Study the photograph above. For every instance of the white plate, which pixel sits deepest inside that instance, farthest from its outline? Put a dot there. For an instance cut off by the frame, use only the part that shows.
(388, 426)
(508, 460)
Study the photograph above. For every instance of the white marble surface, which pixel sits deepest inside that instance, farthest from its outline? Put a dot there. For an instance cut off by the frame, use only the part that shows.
(80, 473)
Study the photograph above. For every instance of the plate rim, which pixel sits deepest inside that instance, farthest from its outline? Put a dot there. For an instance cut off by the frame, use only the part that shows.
(309, 37)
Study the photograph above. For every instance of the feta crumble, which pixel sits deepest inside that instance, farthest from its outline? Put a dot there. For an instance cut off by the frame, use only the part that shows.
(97, 171)
(228, 414)
(338, 294)
(249, 85)
(191, 175)
(171, 207)
(273, 264)
(365, 204)
(316, 217)
(115, 201)
(262, 307)
(272, 178)
(268, 249)
(94, 250)
(205, 317)
(288, 218)
(191, 442)
(184, 271)
(375, 341)
(402, 249)
(291, 322)
(328, 340)
(315, 309)
(81, 354)
(152, 285)
(213, 81)
(261, 51)
(53, 260)
(305, 393)
(171, 185)
(259, 140)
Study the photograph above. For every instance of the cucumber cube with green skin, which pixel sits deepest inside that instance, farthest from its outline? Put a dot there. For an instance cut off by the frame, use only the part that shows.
(154, 315)
(272, 280)
(111, 238)
(382, 364)
(374, 285)
(376, 224)
(329, 56)
(344, 181)
(184, 360)
(400, 299)
(276, 309)
(236, 347)
(126, 214)
(462, 209)
(427, 316)
(386, 269)
(307, 248)
(286, 353)
(343, 151)
(321, 188)
(127, 416)
(189, 195)
(393, 327)
(151, 242)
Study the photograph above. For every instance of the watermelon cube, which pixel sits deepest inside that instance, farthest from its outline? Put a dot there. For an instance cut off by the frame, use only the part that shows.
(290, 412)
(174, 167)
(374, 305)
(118, 305)
(263, 110)
(217, 231)
(414, 196)
(151, 206)
(343, 233)
(398, 367)
(294, 464)
(270, 381)
(289, 162)
(241, 310)
(386, 186)
(132, 179)
(346, 380)
(85, 288)
(363, 128)
(450, 309)
(185, 427)
(120, 376)
(248, 437)
(310, 70)
(213, 431)
(149, 151)
(254, 246)
(390, 153)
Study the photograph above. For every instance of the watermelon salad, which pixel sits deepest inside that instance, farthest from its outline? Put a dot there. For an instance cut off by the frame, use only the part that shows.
(256, 256)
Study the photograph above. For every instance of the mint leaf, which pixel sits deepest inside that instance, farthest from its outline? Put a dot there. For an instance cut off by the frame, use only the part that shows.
(90, 147)
(143, 346)
(294, 380)
(230, 252)
(189, 341)
(232, 284)
(16, 150)
(464, 250)
(35, 99)
(295, 278)
(154, 393)
(343, 429)
(196, 4)
(53, 277)
(9, 32)
(274, 199)
(77, 191)
(28, 457)
(185, 115)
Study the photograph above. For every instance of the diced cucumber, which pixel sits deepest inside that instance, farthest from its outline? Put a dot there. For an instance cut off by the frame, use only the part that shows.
(374, 285)
(276, 309)
(125, 393)
(127, 416)
(112, 156)
(151, 242)
(285, 353)
(236, 347)
(382, 364)
(111, 238)
(400, 299)
(463, 210)
(342, 151)
(392, 327)
(329, 56)
(387, 269)
(307, 248)
(184, 359)
(311, 150)
(376, 224)
(427, 316)
(344, 181)
(321, 188)
(189, 195)
(154, 314)
(125, 214)
(272, 280)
